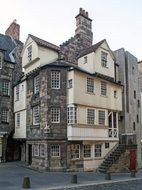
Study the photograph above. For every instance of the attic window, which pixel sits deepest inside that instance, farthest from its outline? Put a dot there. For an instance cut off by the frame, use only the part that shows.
(29, 53)
(0, 62)
(104, 59)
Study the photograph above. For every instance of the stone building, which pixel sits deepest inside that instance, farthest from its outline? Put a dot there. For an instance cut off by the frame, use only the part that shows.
(10, 48)
(68, 102)
(130, 117)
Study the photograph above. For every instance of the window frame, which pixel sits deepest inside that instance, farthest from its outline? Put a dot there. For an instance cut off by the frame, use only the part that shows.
(103, 88)
(75, 153)
(90, 87)
(55, 79)
(36, 149)
(98, 150)
(5, 88)
(85, 59)
(104, 60)
(88, 152)
(17, 93)
(1, 61)
(92, 117)
(29, 56)
(100, 117)
(70, 83)
(55, 150)
(34, 115)
(55, 114)
(18, 120)
(42, 150)
(4, 116)
(36, 84)
(71, 114)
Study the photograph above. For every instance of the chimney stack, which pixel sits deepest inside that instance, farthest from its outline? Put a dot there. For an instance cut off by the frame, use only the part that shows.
(13, 30)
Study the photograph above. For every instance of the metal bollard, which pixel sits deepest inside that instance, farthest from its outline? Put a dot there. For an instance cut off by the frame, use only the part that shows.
(108, 176)
(26, 183)
(74, 179)
(133, 173)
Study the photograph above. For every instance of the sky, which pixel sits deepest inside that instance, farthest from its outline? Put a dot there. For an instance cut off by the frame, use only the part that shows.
(117, 21)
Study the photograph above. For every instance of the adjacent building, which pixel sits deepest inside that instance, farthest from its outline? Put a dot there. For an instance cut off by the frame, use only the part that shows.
(130, 117)
(10, 49)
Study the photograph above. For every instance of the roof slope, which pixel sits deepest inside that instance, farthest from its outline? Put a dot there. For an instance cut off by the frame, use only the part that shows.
(91, 48)
(44, 43)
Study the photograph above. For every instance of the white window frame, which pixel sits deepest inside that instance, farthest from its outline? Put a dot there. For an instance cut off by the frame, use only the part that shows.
(75, 151)
(36, 115)
(29, 49)
(104, 59)
(55, 115)
(55, 150)
(36, 149)
(98, 150)
(115, 93)
(90, 85)
(85, 59)
(55, 79)
(71, 114)
(101, 118)
(36, 84)
(5, 116)
(0, 61)
(18, 119)
(90, 116)
(87, 151)
(42, 150)
(70, 83)
(103, 88)
(5, 88)
(17, 92)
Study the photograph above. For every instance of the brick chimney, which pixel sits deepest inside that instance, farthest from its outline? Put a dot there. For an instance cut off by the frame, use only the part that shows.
(13, 30)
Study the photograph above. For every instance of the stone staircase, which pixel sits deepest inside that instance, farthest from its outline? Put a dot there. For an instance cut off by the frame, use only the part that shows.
(111, 158)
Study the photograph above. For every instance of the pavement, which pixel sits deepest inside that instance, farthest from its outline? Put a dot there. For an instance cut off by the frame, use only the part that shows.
(12, 174)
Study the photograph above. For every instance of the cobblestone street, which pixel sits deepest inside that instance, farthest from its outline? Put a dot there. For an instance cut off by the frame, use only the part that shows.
(11, 178)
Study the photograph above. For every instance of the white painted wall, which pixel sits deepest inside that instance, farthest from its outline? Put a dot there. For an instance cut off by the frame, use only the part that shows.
(20, 132)
(94, 62)
(40, 56)
(85, 132)
(21, 103)
(93, 163)
(79, 95)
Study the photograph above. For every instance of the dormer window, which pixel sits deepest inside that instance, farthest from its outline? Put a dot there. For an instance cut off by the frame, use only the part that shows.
(104, 59)
(29, 53)
(85, 59)
(0, 62)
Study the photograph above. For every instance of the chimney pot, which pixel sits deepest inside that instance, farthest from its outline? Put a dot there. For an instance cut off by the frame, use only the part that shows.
(83, 12)
(80, 10)
(86, 14)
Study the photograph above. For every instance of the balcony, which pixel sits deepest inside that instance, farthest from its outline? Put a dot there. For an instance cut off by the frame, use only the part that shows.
(86, 132)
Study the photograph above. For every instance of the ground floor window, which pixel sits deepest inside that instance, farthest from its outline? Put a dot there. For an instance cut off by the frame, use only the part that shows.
(55, 150)
(87, 151)
(98, 150)
(75, 151)
(42, 150)
(36, 150)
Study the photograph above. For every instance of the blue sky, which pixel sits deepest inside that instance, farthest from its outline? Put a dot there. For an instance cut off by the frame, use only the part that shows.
(118, 21)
